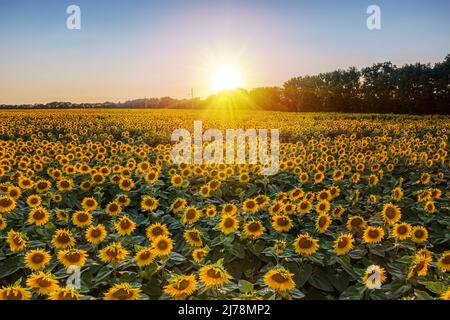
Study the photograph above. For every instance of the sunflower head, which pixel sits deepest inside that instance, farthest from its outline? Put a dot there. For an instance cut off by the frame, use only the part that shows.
(43, 283)
(214, 275)
(373, 235)
(279, 279)
(162, 245)
(122, 291)
(37, 259)
(305, 245)
(181, 286)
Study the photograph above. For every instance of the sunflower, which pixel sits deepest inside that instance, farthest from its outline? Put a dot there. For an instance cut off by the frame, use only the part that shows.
(63, 239)
(374, 277)
(123, 200)
(42, 186)
(254, 229)
(37, 259)
(356, 223)
(199, 254)
(89, 204)
(176, 181)
(15, 293)
(113, 208)
(419, 234)
(397, 194)
(125, 226)
(229, 209)
(444, 262)
(72, 257)
(62, 215)
(38, 216)
(64, 184)
(191, 215)
(338, 211)
(149, 203)
(16, 241)
(373, 235)
(144, 257)
(323, 222)
(262, 200)
(7, 204)
(162, 245)
(305, 245)
(281, 223)
(304, 206)
(419, 267)
(401, 231)
(211, 211)
(324, 195)
(122, 291)
(323, 207)
(343, 244)
(279, 279)
(126, 184)
(430, 207)
(296, 194)
(276, 207)
(250, 206)
(181, 286)
(214, 275)
(43, 283)
(193, 237)
(155, 230)
(228, 223)
(64, 294)
(113, 253)
(25, 183)
(34, 200)
(178, 205)
(391, 213)
(82, 218)
(95, 234)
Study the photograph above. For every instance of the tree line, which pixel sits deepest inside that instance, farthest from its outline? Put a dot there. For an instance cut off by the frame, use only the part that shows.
(381, 88)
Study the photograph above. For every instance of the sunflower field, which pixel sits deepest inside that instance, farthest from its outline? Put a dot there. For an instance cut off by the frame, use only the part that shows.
(92, 207)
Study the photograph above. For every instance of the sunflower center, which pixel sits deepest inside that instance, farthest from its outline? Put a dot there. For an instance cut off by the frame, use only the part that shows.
(278, 277)
(44, 283)
(390, 213)
(228, 223)
(39, 215)
(446, 259)
(162, 245)
(157, 231)
(37, 258)
(73, 256)
(419, 233)
(83, 217)
(373, 233)
(304, 243)
(183, 284)
(215, 274)
(194, 236)
(254, 227)
(63, 238)
(322, 221)
(342, 243)
(283, 222)
(402, 230)
(122, 294)
(95, 233)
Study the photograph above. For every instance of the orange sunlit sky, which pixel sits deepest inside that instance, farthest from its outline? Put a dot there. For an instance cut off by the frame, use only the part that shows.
(134, 49)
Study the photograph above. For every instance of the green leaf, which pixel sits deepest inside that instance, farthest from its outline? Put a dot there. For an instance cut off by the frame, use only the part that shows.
(10, 266)
(435, 287)
(245, 286)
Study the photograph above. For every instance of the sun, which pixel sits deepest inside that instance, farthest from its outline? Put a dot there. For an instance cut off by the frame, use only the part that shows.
(226, 78)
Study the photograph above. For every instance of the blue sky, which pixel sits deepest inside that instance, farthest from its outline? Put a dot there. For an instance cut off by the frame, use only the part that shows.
(136, 48)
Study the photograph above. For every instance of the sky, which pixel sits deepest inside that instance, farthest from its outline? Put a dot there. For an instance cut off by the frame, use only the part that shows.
(141, 48)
